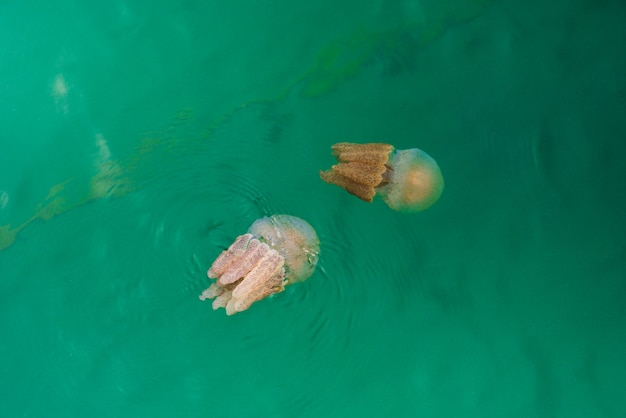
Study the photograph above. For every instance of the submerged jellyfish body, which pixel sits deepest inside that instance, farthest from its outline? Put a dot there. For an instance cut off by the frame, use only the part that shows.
(407, 180)
(275, 252)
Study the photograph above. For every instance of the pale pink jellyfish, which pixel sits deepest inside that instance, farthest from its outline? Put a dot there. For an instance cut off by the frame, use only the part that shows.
(408, 180)
(275, 252)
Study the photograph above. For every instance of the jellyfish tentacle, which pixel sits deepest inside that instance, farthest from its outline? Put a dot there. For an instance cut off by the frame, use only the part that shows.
(362, 191)
(213, 291)
(361, 168)
(222, 300)
(254, 254)
(226, 258)
(268, 267)
(264, 280)
(366, 174)
(372, 153)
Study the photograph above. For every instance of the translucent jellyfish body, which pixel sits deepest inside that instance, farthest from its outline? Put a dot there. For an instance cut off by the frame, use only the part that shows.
(275, 252)
(407, 180)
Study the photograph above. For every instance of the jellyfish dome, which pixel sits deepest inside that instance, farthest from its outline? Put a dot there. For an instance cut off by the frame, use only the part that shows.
(276, 251)
(415, 182)
(294, 239)
(407, 180)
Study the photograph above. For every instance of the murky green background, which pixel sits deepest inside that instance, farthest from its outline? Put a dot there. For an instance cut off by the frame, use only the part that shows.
(138, 139)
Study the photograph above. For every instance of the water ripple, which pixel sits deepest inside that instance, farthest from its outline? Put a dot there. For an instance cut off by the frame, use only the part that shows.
(194, 199)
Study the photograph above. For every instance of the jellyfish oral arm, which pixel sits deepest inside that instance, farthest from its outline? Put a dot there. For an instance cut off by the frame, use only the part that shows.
(276, 251)
(407, 180)
(361, 168)
(246, 272)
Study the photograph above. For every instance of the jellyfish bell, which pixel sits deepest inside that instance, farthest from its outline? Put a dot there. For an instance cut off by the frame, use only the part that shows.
(294, 239)
(276, 251)
(407, 180)
(414, 184)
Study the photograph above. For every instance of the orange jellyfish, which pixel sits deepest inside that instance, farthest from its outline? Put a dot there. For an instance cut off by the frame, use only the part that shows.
(275, 252)
(407, 180)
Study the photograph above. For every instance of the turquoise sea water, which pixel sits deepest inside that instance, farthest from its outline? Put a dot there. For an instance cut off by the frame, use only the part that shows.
(138, 139)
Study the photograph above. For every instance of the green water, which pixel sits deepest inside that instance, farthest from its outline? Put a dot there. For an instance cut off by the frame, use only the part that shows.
(138, 139)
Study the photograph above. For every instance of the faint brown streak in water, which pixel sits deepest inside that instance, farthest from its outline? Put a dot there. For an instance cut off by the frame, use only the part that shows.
(397, 58)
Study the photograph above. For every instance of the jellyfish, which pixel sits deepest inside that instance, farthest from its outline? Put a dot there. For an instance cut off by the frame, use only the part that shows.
(275, 252)
(407, 180)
